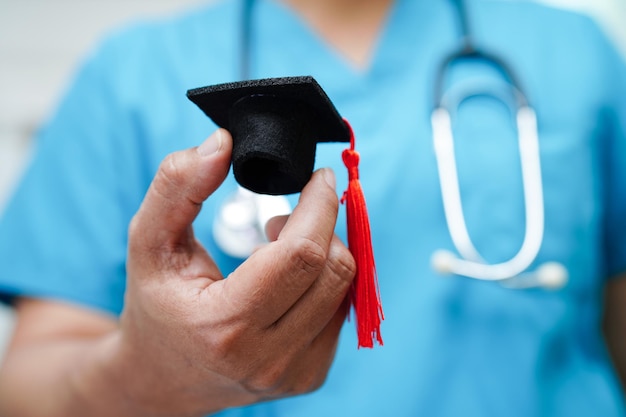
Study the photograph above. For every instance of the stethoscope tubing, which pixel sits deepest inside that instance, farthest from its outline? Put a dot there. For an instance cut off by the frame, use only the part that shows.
(472, 264)
(511, 273)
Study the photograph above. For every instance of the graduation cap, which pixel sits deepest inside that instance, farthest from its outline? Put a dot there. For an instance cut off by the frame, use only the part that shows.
(276, 124)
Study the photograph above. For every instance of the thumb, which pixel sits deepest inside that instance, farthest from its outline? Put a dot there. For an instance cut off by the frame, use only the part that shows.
(184, 180)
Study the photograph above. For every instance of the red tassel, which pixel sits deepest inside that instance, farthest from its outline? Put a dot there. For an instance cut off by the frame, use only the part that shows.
(364, 294)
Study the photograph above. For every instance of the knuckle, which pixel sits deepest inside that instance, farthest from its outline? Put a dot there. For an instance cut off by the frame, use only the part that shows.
(134, 229)
(225, 347)
(342, 263)
(267, 380)
(286, 376)
(266, 384)
(177, 178)
(309, 379)
(137, 243)
(267, 376)
(314, 383)
(309, 254)
(224, 343)
(306, 383)
(231, 353)
(169, 173)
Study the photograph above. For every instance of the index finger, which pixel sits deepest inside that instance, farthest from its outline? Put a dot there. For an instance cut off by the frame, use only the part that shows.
(272, 280)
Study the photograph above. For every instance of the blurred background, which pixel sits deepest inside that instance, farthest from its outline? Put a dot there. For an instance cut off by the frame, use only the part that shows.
(41, 42)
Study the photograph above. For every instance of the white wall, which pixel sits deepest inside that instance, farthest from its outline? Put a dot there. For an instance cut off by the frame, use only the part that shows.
(610, 13)
(41, 41)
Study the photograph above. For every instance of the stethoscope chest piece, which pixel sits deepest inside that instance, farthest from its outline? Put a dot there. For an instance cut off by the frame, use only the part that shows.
(513, 272)
(239, 225)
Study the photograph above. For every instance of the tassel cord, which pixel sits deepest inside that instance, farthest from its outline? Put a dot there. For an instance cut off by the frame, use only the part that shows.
(365, 292)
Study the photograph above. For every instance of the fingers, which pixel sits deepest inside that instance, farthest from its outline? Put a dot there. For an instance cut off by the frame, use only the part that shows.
(274, 226)
(274, 278)
(296, 369)
(326, 295)
(184, 180)
(317, 215)
(311, 368)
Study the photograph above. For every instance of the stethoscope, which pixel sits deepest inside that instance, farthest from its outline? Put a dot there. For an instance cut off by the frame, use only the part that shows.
(239, 224)
(514, 272)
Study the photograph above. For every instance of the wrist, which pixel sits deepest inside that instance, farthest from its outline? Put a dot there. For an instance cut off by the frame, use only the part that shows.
(102, 381)
(123, 380)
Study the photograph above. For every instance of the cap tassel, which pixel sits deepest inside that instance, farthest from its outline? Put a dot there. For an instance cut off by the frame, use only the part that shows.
(364, 294)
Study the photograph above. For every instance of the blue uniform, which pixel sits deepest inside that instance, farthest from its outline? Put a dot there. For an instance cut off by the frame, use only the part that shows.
(453, 346)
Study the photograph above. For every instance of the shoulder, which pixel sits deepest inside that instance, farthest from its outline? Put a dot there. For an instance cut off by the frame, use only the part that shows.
(543, 25)
(558, 48)
(208, 22)
(150, 62)
(534, 10)
(180, 44)
(533, 20)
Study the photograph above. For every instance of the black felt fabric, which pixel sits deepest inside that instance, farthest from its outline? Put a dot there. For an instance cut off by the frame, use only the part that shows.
(276, 124)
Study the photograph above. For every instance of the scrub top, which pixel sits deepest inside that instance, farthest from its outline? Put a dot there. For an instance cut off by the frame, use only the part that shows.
(452, 346)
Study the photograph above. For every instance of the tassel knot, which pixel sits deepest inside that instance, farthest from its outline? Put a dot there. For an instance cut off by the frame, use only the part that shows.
(351, 160)
(364, 294)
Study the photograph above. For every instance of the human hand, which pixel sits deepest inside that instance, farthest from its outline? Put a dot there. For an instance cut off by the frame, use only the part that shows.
(192, 342)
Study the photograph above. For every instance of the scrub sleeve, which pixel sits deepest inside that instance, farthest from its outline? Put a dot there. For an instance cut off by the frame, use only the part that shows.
(63, 235)
(615, 163)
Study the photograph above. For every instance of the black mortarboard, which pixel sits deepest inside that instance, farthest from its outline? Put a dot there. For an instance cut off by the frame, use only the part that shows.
(276, 124)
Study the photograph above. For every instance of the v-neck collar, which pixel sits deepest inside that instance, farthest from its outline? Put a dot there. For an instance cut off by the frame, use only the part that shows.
(309, 40)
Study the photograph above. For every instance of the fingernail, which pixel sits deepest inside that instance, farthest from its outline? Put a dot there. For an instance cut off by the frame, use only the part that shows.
(212, 145)
(329, 176)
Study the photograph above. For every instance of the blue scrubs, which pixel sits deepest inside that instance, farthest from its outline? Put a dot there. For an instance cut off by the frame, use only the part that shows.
(453, 346)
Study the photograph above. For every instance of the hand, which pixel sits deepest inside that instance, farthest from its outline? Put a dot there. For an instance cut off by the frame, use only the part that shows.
(192, 342)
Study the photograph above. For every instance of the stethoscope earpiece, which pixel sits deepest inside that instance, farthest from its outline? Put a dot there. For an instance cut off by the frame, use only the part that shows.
(239, 225)
(552, 275)
(442, 261)
(469, 263)
(549, 275)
